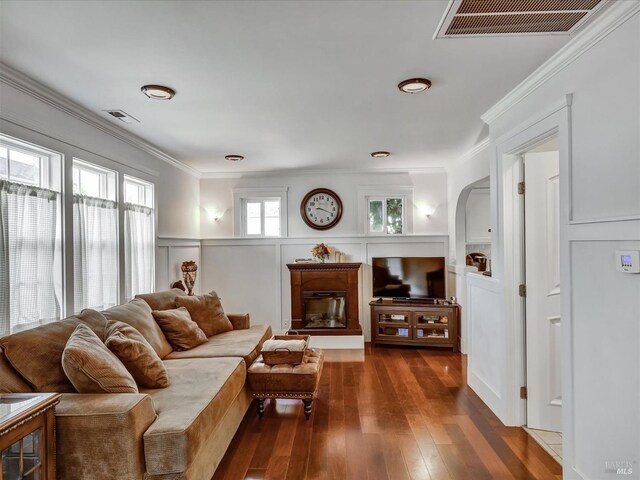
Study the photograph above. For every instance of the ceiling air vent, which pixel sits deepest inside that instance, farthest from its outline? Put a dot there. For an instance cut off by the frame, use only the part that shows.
(471, 18)
(122, 116)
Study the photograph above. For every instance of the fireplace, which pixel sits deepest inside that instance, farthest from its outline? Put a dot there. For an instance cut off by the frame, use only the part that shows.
(324, 310)
(324, 298)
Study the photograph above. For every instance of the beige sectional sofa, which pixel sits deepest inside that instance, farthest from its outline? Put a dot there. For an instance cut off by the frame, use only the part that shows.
(177, 432)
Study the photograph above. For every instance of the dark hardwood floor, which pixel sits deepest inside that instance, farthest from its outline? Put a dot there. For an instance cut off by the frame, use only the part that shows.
(402, 413)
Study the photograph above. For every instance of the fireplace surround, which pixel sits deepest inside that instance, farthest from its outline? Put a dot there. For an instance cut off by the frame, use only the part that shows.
(324, 298)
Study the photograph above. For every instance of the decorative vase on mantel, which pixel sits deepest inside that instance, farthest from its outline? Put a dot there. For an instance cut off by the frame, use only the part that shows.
(189, 272)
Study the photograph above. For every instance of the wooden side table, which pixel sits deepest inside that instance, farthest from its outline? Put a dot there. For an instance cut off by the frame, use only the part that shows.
(27, 435)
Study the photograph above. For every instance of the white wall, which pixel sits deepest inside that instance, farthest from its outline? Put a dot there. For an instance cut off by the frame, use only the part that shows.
(29, 114)
(600, 189)
(251, 275)
(460, 176)
(429, 190)
(467, 171)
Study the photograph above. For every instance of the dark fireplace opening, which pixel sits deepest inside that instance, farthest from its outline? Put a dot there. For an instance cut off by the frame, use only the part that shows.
(324, 310)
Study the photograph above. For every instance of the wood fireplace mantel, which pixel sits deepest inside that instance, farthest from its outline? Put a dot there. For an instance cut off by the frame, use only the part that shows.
(325, 277)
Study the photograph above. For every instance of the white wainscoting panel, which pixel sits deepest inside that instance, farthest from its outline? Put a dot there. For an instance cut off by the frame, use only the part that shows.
(251, 275)
(246, 277)
(487, 343)
(170, 253)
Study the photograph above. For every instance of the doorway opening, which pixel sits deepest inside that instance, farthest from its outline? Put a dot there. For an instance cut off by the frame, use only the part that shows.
(539, 195)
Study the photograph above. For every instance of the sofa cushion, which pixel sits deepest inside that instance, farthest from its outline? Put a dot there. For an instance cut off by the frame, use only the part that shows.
(180, 330)
(36, 354)
(10, 380)
(206, 310)
(201, 391)
(91, 366)
(164, 300)
(139, 358)
(237, 343)
(137, 313)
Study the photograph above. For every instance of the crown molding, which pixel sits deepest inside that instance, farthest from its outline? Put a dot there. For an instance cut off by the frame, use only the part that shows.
(345, 171)
(21, 82)
(611, 18)
(476, 149)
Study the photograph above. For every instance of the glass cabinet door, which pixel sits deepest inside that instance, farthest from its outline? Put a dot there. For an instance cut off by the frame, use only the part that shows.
(23, 459)
(432, 326)
(393, 324)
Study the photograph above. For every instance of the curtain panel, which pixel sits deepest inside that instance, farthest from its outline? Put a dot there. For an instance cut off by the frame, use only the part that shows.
(95, 253)
(138, 249)
(28, 225)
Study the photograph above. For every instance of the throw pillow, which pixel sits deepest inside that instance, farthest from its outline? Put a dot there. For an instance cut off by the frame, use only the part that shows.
(206, 310)
(36, 354)
(138, 314)
(182, 332)
(136, 354)
(91, 367)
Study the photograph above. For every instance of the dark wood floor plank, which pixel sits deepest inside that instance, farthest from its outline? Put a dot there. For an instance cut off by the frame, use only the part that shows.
(397, 413)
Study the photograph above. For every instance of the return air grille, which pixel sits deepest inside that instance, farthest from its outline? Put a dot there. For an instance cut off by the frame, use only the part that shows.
(513, 17)
(528, 23)
(511, 6)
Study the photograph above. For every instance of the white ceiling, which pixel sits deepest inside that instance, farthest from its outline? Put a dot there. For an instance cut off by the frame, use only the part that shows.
(289, 85)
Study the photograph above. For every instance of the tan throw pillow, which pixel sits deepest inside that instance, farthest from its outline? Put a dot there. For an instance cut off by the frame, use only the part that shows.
(182, 332)
(91, 367)
(36, 354)
(164, 300)
(206, 310)
(140, 359)
(138, 314)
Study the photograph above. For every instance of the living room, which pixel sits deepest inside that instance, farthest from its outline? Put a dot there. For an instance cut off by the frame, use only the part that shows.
(305, 96)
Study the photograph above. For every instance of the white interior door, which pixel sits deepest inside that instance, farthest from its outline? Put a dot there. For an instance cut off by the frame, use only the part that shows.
(542, 237)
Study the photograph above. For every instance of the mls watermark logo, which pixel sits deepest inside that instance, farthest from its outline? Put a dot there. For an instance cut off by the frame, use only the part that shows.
(619, 467)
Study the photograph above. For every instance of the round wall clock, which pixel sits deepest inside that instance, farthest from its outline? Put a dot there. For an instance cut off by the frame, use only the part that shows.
(321, 208)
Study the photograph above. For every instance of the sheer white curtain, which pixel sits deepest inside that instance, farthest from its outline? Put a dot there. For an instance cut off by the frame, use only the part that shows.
(138, 249)
(95, 252)
(28, 219)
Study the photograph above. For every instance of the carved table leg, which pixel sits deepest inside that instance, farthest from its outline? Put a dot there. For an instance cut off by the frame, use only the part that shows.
(307, 408)
(260, 406)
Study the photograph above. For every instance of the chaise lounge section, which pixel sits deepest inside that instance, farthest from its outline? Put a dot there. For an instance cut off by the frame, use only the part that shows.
(178, 432)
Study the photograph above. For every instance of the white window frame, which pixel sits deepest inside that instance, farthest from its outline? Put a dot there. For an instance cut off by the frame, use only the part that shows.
(45, 159)
(51, 177)
(108, 178)
(148, 201)
(384, 192)
(243, 195)
(147, 189)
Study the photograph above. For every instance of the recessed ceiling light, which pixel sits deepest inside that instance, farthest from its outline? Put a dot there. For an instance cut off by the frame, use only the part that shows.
(380, 154)
(234, 158)
(158, 92)
(414, 85)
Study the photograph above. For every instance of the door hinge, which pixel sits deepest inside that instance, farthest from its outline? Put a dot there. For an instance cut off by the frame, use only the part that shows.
(523, 392)
(522, 290)
(520, 188)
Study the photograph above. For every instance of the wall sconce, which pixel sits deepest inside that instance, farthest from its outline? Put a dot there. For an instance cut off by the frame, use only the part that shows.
(427, 211)
(213, 214)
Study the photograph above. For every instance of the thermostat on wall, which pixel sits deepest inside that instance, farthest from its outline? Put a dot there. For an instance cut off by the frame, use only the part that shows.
(628, 261)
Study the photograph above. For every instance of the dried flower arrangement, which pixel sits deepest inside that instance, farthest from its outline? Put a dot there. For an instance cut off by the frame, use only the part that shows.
(321, 252)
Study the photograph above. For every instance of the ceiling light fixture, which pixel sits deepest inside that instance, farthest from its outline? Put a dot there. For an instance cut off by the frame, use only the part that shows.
(414, 85)
(158, 92)
(380, 154)
(234, 158)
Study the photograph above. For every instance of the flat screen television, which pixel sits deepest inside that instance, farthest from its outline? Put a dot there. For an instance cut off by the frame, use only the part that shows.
(408, 277)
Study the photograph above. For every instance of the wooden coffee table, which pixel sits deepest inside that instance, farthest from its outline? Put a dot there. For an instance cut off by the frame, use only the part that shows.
(286, 380)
